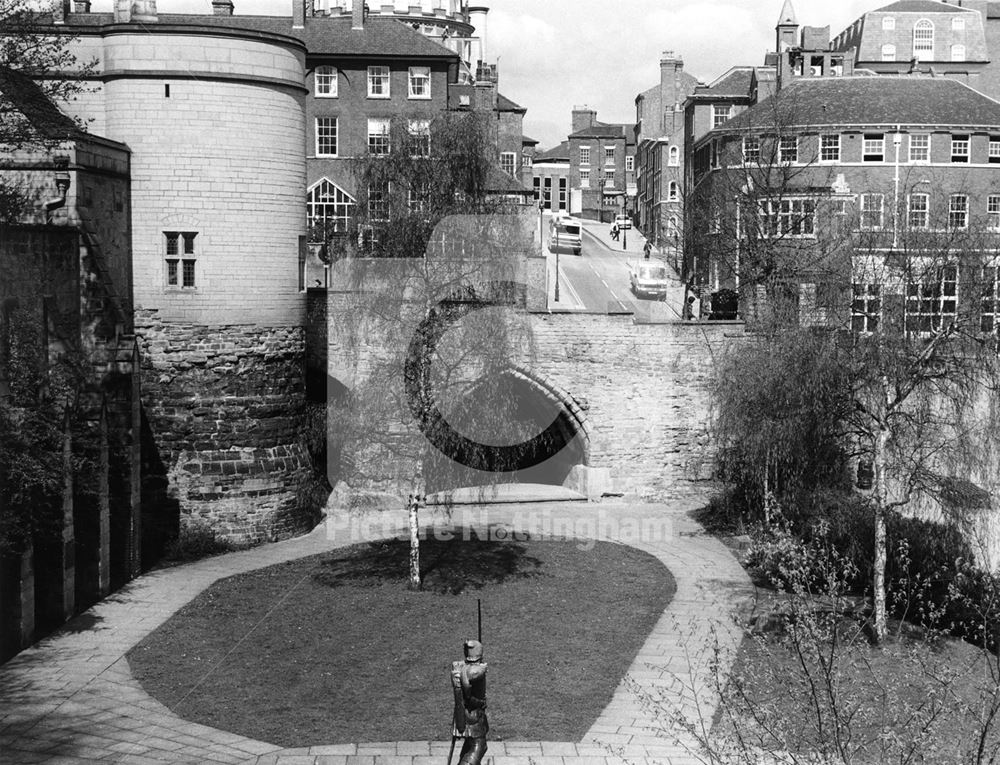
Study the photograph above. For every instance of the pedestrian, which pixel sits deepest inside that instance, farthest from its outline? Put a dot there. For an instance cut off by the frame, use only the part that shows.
(614, 232)
(646, 249)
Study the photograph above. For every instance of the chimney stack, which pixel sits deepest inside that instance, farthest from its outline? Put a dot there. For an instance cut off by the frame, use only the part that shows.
(81, 6)
(583, 117)
(358, 14)
(222, 7)
(298, 14)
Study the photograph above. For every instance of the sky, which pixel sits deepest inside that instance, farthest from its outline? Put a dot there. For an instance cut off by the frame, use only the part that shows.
(555, 54)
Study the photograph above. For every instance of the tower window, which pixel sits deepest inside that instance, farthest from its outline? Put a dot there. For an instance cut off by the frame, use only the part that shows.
(180, 259)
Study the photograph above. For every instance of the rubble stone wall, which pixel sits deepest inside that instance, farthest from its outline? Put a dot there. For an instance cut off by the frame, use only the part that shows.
(225, 406)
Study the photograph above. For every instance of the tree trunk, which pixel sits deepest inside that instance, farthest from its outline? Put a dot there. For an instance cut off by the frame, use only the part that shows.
(880, 496)
(413, 513)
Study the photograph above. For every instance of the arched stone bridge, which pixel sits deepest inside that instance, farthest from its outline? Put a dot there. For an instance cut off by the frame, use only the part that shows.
(631, 394)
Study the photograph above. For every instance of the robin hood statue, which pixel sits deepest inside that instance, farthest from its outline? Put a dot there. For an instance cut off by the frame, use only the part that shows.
(468, 681)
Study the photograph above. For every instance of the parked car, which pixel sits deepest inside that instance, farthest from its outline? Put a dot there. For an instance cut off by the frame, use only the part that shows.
(623, 221)
(647, 279)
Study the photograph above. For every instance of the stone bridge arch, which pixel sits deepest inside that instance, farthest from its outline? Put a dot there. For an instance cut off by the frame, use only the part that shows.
(539, 403)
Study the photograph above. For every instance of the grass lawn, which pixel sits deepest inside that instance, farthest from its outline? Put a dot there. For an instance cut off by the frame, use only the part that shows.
(335, 649)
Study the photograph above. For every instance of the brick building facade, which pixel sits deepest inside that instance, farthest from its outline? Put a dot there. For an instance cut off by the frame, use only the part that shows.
(659, 152)
(601, 167)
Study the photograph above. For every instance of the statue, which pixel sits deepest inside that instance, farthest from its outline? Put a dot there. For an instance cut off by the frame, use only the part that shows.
(468, 681)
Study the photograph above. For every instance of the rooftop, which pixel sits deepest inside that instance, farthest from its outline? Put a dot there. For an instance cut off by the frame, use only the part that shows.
(734, 84)
(885, 100)
(28, 99)
(921, 6)
(332, 35)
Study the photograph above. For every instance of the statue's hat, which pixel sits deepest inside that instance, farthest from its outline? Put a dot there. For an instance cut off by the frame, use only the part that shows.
(473, 650)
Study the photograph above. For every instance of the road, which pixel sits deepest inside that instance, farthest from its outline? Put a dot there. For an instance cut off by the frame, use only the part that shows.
(597, 280)
(599, 277)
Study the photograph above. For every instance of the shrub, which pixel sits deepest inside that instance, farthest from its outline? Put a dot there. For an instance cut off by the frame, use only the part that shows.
(196, 541)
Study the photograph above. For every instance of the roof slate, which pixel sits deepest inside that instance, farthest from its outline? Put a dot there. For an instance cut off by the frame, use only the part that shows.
(885, 100)
(504, 104)
(555, 153)
(25, 96)
(735, 82)
(330, 35)
(921, 6)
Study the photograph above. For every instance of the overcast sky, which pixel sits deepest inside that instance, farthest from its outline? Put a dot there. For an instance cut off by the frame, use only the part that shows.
(554, 54)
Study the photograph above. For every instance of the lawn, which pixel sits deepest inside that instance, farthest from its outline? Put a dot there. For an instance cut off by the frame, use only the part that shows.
(335, 648)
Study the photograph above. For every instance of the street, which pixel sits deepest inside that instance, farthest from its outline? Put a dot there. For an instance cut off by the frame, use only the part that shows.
(597, 281)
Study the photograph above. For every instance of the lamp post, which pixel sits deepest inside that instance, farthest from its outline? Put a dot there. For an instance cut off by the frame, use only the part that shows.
(557, 264)
(624, 229)
(541, 230)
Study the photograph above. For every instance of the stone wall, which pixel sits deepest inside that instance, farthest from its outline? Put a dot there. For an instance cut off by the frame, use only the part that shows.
(225, 409)
(644, 389)
(640, 391)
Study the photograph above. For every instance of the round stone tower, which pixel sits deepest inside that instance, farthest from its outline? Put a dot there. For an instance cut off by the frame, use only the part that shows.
(212, 109)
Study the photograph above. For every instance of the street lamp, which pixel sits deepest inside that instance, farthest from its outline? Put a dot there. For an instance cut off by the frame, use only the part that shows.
(541, 230)
(624, 229)
(557, 262)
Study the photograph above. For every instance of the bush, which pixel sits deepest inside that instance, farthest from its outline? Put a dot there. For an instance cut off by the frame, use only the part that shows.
(931, 579)
(196, 541)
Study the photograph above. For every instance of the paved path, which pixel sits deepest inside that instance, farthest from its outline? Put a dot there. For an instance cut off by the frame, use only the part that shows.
(72, 699)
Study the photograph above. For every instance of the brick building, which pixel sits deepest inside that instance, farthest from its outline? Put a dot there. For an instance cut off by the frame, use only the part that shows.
(452, 23)
(602, 166)
(911, 166)
(361, 75)
(659, 152)
(956, 38)
(853, 144)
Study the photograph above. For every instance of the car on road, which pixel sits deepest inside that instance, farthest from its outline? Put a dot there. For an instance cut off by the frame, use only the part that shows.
(623, 221)
(648, 280)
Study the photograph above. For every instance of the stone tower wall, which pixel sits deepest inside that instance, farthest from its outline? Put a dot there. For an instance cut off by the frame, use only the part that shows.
(215, 120)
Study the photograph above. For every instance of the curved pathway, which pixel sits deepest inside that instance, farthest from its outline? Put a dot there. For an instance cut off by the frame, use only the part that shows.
(71, 698)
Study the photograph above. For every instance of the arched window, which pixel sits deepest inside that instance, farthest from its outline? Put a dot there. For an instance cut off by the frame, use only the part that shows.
(958, 52)
(672, 192)
(888, 52)
(672, 226)
(328, 208)
(675, 156)
(923, 40)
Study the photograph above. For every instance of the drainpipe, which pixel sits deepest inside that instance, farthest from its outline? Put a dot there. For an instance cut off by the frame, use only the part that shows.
(62, 186)
(897, 139)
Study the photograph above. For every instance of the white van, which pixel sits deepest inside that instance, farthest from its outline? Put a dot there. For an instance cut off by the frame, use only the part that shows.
(564, 234)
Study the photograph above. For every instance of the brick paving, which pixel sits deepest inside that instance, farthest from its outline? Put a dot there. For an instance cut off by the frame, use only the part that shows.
(71, 698)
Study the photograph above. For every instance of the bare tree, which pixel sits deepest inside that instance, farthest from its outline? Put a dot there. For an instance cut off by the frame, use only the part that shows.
(433, 264)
